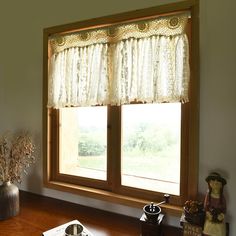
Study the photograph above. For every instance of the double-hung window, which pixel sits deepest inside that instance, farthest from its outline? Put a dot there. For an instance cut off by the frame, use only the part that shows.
(120, 106)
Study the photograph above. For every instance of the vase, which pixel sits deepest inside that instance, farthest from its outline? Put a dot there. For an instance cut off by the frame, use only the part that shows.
(9, 200)
(197, 218)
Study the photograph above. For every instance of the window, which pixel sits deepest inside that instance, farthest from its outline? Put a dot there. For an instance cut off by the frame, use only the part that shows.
(150, 150)
(83, 142)
(112, 130)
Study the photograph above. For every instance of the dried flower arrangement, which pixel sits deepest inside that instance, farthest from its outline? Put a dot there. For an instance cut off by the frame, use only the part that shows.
(16, 155)
(194, 212)
(193, 207)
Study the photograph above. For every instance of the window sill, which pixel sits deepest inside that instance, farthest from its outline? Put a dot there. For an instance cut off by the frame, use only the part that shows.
(110, 197)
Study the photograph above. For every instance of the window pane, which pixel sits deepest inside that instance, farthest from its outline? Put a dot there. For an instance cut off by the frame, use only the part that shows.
(83, 142)
(151, 147)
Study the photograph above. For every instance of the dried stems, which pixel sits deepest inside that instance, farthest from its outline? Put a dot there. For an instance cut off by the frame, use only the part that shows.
(16, 155)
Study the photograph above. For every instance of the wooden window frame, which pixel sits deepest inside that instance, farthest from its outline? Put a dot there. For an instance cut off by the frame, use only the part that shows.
(113, 191)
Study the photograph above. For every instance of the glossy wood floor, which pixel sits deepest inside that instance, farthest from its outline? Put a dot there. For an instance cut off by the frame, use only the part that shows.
(38, 214)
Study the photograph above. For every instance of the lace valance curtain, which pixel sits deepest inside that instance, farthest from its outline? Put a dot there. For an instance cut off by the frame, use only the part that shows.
(145, 61)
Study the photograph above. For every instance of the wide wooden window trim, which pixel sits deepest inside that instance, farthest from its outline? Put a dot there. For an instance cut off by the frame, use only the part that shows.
(115, 192)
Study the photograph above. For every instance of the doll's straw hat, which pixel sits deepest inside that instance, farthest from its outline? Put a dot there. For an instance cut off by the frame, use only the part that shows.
(216, 176)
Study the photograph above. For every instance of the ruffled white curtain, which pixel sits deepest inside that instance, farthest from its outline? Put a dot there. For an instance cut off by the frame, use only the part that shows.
(149, 70)
(79, 77)
(143, 68)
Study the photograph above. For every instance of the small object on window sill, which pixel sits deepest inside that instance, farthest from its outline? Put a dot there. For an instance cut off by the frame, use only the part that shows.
(152, 218)
(192, 219)
(215, 206)
(193, 212)
(152, 211)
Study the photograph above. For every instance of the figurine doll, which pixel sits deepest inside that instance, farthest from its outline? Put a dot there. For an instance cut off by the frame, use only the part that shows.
(215, 206)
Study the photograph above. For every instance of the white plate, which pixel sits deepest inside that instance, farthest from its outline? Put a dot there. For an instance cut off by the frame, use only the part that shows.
(60, 230)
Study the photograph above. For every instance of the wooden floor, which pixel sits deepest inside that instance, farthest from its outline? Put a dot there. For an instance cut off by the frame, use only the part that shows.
(38, 214)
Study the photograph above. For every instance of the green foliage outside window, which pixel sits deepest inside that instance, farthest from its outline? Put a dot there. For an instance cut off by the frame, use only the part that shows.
(90, 146)
(144, 139)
